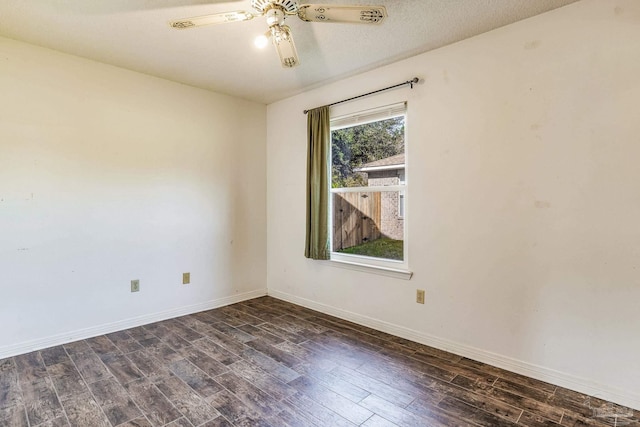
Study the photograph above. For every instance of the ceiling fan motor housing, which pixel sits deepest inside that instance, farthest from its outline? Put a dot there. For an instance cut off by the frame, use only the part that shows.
(289, 6)
(275, 17)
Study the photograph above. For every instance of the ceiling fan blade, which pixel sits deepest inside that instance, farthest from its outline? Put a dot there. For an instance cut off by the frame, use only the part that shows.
(339, 13)
(216, 18)
(283, 41)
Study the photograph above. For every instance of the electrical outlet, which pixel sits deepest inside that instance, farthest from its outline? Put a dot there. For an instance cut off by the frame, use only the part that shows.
(420, 296)
(135, 285)
(186, 278)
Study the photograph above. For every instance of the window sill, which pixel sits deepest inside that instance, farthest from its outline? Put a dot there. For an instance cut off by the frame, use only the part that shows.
(373, 269)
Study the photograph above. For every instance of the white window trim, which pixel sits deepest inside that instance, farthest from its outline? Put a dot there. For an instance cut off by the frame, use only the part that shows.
(369, 268)
(369, 116)
(372, 189)
(379, 266)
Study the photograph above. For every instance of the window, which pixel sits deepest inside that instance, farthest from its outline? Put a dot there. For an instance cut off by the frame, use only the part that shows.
(369, 189)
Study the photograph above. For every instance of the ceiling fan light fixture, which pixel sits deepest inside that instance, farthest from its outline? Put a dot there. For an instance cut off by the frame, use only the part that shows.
(262, 40)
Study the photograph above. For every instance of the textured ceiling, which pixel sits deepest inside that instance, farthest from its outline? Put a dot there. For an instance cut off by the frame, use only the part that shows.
(134, 34)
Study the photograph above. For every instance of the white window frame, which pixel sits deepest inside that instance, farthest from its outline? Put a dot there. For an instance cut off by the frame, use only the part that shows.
(401, 206)
(388, 267)
(401, 178)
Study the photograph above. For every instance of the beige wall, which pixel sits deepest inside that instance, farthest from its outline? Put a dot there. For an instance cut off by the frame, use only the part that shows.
(107, 176)
(523, 165)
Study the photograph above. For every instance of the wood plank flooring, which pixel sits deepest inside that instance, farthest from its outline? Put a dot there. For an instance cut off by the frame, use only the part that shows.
(265, 362)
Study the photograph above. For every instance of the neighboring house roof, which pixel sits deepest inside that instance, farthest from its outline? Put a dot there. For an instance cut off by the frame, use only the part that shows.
(388, 163)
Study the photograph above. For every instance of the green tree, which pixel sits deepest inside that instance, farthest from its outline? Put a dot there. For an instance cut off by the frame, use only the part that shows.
(354, 146)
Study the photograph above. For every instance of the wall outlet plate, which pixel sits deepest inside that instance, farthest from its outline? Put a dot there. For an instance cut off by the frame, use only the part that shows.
(186, 278)
(420, 296)
(135, 285)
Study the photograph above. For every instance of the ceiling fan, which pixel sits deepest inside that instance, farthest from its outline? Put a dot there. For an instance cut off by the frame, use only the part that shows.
(276, 11)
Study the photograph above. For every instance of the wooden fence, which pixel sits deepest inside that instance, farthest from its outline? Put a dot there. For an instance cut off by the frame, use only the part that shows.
(356, 219)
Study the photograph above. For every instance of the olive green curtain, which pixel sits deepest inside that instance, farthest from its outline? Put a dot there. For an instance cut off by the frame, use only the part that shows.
(318, 146)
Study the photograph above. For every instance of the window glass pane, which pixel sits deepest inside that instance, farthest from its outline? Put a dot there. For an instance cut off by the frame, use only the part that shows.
(368, 154)
(368, 223)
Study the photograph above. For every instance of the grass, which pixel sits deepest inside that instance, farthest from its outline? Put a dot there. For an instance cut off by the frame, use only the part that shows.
(381, 248)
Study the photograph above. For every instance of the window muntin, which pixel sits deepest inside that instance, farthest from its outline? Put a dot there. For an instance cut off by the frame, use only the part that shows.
(368, 188)
(401, 204)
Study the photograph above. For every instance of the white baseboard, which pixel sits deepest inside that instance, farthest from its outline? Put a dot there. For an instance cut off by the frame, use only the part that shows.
(581, 385)
(38, 344)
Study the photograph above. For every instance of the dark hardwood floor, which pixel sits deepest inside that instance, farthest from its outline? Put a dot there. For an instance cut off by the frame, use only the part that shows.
(266, 362)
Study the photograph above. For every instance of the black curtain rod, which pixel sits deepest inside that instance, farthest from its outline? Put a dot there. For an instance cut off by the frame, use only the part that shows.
(408, 82)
